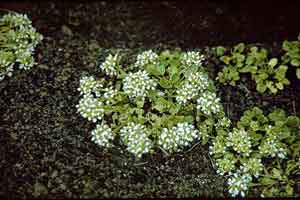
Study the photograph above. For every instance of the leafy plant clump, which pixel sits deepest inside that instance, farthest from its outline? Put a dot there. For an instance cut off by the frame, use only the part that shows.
(17, 41)
(260, 152)
(162, 100)
(292, 54)
(268, 73)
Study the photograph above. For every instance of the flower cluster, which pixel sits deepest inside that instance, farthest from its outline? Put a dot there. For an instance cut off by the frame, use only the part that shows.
(102, 135)
(17, 44)
(252, 166)
(239, 183)
(145, 58)
(87, 85)
(91, 108)
(138, 84)
(240, 141)
(192, 58)
(178, 136)
(218, 145)
(271, 146)
(110, 64)
(195, 84)
(209, 103)
(135, 137)
(226, 164)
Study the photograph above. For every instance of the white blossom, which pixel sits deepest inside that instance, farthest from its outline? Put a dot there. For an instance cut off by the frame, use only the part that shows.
(109, 65)
(192, 58)
(102, 135)
(209, 103)
(135, 137)
(91, 108)
(146, 57)
(138, 84)
(181, 135)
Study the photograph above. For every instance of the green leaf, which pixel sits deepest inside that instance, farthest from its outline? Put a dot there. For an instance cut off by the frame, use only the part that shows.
(276, 173)
(295, 62)
(161, 105)
(151, 69)
(261, 87)
(239, 48)
(267, 181)
(298, 73)
(220, 51)
(225, 59)
(273, 62)
(164, 83)
(161, 69)
(293, 121)
(277, 115)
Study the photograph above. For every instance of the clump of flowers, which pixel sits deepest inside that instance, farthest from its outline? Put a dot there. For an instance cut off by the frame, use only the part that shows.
(135, 137)
(18, 41)
(138, 84)
(209, 103)
(180, 135)
(102, 135)
(239, 153)
(150, 102)
(110, 64)
(145, 58)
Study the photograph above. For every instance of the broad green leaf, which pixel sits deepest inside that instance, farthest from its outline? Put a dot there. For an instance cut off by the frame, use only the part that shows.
(273, 62)
(298, 73)
(220, 51)
(295, 62)
(164, 83)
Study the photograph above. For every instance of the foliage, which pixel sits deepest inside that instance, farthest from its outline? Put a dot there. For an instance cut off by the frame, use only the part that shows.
(18, 40)
(261, 151)
(267, 73)
(162, 100)
(292, 54)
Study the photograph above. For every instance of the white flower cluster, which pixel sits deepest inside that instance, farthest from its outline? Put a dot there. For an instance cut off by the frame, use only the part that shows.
(87, 85)
(192, 58)
(109, 94)
(226, 164)
(209, 103)
(238, 183)
(253, 166)
(195, 84)
(180, 135)
(271, 146)
(102, 135)
(138, 84)
(91, 108)
(147, 57)
(18, 43)
(135, 137)
(223, 122)
(218, 145)
(240, 141)
(109, 65)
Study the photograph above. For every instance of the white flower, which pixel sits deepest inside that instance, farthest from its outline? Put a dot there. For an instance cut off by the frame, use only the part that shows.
(91, 108)
(181, 135)
(195, 84)
(238, 183)
(138, 84)
(240, 141)
(109, 65)
(192, 58)
(147, 57)
(102, 135)
(208, 103)
(271, 146)
(135, 137)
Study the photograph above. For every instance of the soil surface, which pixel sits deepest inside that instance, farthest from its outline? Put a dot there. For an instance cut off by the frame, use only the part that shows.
(46, 149)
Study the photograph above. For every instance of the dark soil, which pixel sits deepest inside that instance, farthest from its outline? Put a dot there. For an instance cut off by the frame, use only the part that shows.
(46, 149)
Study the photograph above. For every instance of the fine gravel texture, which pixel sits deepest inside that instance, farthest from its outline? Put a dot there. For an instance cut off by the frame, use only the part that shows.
(46, 148)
